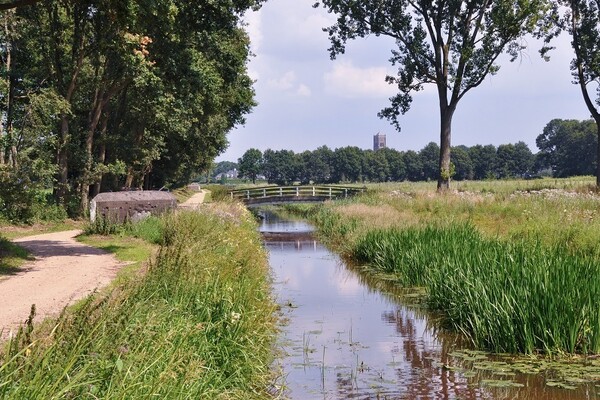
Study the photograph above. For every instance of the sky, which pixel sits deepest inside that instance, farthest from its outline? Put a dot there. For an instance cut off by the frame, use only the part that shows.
(305, 100)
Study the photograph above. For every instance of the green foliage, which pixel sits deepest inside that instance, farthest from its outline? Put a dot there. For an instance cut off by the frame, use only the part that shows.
(198, 324)
(251, 164)
(149, 229)
(568, 147)
(218, 192)
(516, 296)
(222, 167)
(282, 167)
(11, 257)
(23, 198)
(122, 94)
(513, 265)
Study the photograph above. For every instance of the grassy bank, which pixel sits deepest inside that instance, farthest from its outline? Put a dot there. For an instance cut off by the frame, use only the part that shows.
(514, 270)
(199, 323)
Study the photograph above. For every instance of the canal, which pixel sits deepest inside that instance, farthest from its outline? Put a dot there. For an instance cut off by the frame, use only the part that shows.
(343, 339)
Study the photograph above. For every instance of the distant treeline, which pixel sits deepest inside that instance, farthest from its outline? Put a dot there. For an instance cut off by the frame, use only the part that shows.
(567, 148)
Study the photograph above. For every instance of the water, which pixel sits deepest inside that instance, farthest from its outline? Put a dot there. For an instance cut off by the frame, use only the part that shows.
(343, 340)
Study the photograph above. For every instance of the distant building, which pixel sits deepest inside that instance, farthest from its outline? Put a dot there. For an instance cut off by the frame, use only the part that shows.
(231, 174)
(379, 141)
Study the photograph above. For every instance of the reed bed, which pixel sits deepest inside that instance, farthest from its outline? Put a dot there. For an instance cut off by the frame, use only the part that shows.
(517, 296)
(198, 324)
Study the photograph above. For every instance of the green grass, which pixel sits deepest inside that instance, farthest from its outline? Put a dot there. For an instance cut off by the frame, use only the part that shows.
(198, 324)
(517, 296)
(18, 231)
(12, 257)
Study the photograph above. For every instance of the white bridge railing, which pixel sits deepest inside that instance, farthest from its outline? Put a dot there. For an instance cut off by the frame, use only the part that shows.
(287, 193)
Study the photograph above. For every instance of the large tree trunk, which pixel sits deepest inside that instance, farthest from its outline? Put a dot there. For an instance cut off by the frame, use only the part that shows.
(581, 77)
(93, 120)
(444, 172)
(598, 153)
(101, 154)
(62, 154)
(62, 158)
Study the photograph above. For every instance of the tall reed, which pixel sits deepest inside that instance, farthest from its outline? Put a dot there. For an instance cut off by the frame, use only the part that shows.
(505, 296)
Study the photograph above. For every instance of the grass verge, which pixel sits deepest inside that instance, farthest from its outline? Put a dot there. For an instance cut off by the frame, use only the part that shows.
(12, 257)
(198, 324)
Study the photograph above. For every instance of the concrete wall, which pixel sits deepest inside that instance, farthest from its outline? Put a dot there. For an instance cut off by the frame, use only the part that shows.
(136, 205)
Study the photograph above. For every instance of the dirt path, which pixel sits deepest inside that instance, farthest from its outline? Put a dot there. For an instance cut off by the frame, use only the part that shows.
(63, 271)
(194, 201)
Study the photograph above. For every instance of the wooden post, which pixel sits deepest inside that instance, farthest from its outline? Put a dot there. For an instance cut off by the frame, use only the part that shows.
(264, 192)
(345, 192)
(313, 191)
(330, 193)
(247, 194)
(297, 191)
(280, 191)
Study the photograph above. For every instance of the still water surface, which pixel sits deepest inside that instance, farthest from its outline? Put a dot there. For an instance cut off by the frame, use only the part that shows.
(344, 340)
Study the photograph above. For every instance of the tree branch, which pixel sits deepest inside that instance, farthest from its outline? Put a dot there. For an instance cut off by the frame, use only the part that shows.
(16, 3)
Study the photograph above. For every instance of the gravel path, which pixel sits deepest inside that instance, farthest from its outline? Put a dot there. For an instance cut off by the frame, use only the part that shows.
(194, 201)
(63, 271)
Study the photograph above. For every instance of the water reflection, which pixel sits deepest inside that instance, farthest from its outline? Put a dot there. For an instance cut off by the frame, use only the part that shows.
(345, 340)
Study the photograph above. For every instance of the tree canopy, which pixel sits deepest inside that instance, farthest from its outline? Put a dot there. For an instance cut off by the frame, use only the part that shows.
(128, 93)
(568, 147)
(452, 44)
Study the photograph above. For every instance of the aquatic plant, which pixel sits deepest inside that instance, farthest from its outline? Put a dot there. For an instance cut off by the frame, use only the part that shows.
(505, 296)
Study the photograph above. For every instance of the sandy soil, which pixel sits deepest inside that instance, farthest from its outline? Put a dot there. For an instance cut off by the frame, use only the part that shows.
(194, 201)
(63, 271)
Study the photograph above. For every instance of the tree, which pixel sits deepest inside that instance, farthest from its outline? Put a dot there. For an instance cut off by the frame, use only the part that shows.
(397, 169)
(136, 93)
(429, 156)
(317, 165)
(452, 44)
(513, 160)
(223, 166)
(585, 34)
(347, 163)
(7, 5)
(282, 167)
(463, 166)
(568, 147)
(483, 159)
(251, 164)
(414, 166)
(375, 167)
(582, 21)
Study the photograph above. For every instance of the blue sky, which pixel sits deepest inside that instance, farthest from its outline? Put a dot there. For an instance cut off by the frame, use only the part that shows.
(306, 100)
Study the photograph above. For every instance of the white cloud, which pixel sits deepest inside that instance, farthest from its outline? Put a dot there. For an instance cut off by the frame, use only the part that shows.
(303, 91)
(288, 82)
(346, 80)
(285, 82)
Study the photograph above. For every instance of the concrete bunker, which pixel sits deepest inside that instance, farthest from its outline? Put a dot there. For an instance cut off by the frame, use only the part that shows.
(131, 206)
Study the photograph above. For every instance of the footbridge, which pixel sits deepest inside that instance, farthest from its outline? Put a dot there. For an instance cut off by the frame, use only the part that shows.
(272, 195)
